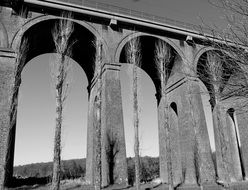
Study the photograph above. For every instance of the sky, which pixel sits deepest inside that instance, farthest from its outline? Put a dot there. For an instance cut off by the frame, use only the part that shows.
(189, 11)
(36, 106)
(36, 113)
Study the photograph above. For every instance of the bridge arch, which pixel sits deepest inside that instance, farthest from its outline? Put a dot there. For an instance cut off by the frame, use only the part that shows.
(124, 41)
(148, 43)
(199, 54)
(203, 73)
(36, 20)
(224, 124)
(148, 65)
(38, 33)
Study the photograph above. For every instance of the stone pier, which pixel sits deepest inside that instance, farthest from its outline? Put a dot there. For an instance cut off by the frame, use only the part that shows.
(7, 134)
(114, 165)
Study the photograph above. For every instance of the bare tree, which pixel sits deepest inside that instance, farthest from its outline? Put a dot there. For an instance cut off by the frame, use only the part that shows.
(133, 57)
(61, 34)
(232, 42)
(98, 110)
(162, 60)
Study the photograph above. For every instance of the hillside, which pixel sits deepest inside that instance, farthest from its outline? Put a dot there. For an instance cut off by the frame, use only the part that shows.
(76, 168)
(70, 169)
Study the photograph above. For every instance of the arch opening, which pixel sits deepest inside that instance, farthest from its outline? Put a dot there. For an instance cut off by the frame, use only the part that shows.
(148, 123)
(206, 74)
(148, 63)
(39, 39)
(173, 105)
(36, 122)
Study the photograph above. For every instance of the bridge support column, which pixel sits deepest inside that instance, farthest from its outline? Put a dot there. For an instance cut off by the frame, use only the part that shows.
(172, 118)
(242, 122)
(7, 134)
(197, 163)
(227, 155)
(114, 165)
(192, 140)
(234, 146)
(175, 145)
(162, 142)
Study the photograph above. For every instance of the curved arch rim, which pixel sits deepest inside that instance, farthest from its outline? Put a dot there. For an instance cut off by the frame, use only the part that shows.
(127, 38)
(30, 23)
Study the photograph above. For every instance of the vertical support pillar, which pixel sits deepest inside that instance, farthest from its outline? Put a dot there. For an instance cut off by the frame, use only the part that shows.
(223, 154)
(114, 164)
(227, 152)
(198, 167)
(162, 141)
(7, 135)
(90, 157)
(234, 149)
(175, 146)
(242, 122)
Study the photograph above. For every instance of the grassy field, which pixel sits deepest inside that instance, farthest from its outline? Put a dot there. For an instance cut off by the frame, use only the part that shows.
(79, 184)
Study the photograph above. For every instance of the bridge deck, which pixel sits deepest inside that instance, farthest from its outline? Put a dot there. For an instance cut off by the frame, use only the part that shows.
(124, 15)
(134, 13)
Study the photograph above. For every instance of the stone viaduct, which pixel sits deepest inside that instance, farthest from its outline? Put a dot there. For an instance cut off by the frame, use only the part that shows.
(192, 158)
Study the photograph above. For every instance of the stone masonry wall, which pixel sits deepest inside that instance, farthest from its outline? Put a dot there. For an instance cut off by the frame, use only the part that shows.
(7, 59)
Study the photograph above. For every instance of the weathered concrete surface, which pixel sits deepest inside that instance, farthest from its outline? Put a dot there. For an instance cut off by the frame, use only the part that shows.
(175, 146)
(172, 119)
(197, 161)
(162, 143)
(192, 160)
(90, 135)
(114, 165)
(7, 135)
(234, 147)
(3, 36)
(172, 96)
(227, 157)
(113, 139)
(11, 23)
(242, 121)
(205, 171)
(220, 144)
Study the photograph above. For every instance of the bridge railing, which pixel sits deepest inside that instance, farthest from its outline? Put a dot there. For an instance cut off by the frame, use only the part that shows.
(138, 14)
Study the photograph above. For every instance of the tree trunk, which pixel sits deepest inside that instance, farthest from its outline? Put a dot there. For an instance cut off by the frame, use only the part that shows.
(98, 118)
(98, 167)
(57, 138)
(136, 127)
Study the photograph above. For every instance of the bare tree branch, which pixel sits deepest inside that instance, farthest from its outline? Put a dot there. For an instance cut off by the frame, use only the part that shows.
(61, 34)
(162, 60)
(134, 57)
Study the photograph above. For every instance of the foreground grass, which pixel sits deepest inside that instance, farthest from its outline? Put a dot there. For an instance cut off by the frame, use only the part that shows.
(80, 184)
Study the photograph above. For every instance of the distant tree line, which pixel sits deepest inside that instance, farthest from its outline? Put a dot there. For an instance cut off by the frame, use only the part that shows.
(75, 168)
(70, 169)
